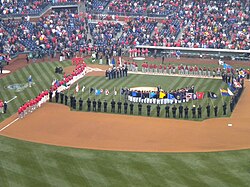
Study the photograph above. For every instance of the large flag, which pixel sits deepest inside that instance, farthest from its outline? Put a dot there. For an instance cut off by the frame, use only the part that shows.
(106, 92)
(113, 61)
(212, 95)
(200, 95)
(97, 92)
(162, 95)
(134, 94)
(236, 84)
(231, 87)
(242, 73)
(171, 96)
(229, 92)
(226, 66)
(224, 92)
(189, 96)
(152, 95)
(77, 88)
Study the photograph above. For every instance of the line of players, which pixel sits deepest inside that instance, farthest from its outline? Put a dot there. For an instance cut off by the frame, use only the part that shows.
(98, 105)
(33, 104)
(116, 72)
(181, 69)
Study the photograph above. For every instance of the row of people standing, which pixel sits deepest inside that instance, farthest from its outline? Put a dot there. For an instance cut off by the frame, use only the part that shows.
(102, 106)
(116, 72)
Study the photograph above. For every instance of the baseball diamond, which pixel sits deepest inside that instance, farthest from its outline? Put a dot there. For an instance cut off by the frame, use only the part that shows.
(124, 93)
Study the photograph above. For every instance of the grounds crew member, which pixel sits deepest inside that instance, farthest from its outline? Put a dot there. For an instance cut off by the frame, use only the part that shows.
(80, 103)
(99, 105)
(131, 106)
(194, 111)
(94, 105)
(119, 103)
(139, 108)
(113, 106)
(89, 104)
(148, 109)
(61, 97)
(125, 104)
(199, 111)
(167, 111)
(158, 109)
(180, 111)
(215, 110)
(105, 106)
(66, 99)
(208, 110)
(174, 111)
(186, 112)
(224, 108)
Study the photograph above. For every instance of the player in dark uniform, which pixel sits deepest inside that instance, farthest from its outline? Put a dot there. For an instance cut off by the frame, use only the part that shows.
(224, 108)
(71, 101)
(94, 105)
(131, 106)
(80, 103)
(148, 109)
(215, 110)
(61, 97)
(174, 111)
(125, 104)
(105, 106)
(139, 108)
(89, 104)
(199, 111)
(180, 111)
(57, 96)
(66, 99)
(99, 105)
(208, 110)
(50, 95)
(113, 106)
(74, 103)
(194, 111)
(186, 112)
(167, 111)
(119, 104)
(158, 110)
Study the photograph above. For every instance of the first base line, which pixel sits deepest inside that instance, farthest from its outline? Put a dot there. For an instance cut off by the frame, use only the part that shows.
(9, 124)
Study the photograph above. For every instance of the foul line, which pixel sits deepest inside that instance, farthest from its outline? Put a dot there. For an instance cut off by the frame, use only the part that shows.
(9, 124)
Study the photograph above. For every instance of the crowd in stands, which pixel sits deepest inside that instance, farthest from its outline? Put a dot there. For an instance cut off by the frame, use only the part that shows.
(28, 7)
(195, 24)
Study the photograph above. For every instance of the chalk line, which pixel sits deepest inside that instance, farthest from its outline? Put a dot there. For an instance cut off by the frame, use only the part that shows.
(9, 124)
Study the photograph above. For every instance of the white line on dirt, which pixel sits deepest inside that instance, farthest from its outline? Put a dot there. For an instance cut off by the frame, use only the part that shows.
(9, 124)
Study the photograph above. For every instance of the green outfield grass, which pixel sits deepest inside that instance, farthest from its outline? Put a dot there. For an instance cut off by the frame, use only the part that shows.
(24, 164)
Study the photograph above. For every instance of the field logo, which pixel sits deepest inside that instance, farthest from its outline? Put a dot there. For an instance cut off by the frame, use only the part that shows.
(18, 87)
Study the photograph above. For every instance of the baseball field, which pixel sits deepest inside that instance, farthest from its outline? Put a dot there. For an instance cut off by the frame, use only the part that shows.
(131, 150)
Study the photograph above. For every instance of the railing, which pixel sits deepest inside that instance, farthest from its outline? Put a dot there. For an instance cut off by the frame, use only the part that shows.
(199, 52)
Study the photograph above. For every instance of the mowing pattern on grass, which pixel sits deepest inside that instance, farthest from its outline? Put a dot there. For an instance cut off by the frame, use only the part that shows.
(26, 164)
(42, 74)
(167, 83)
